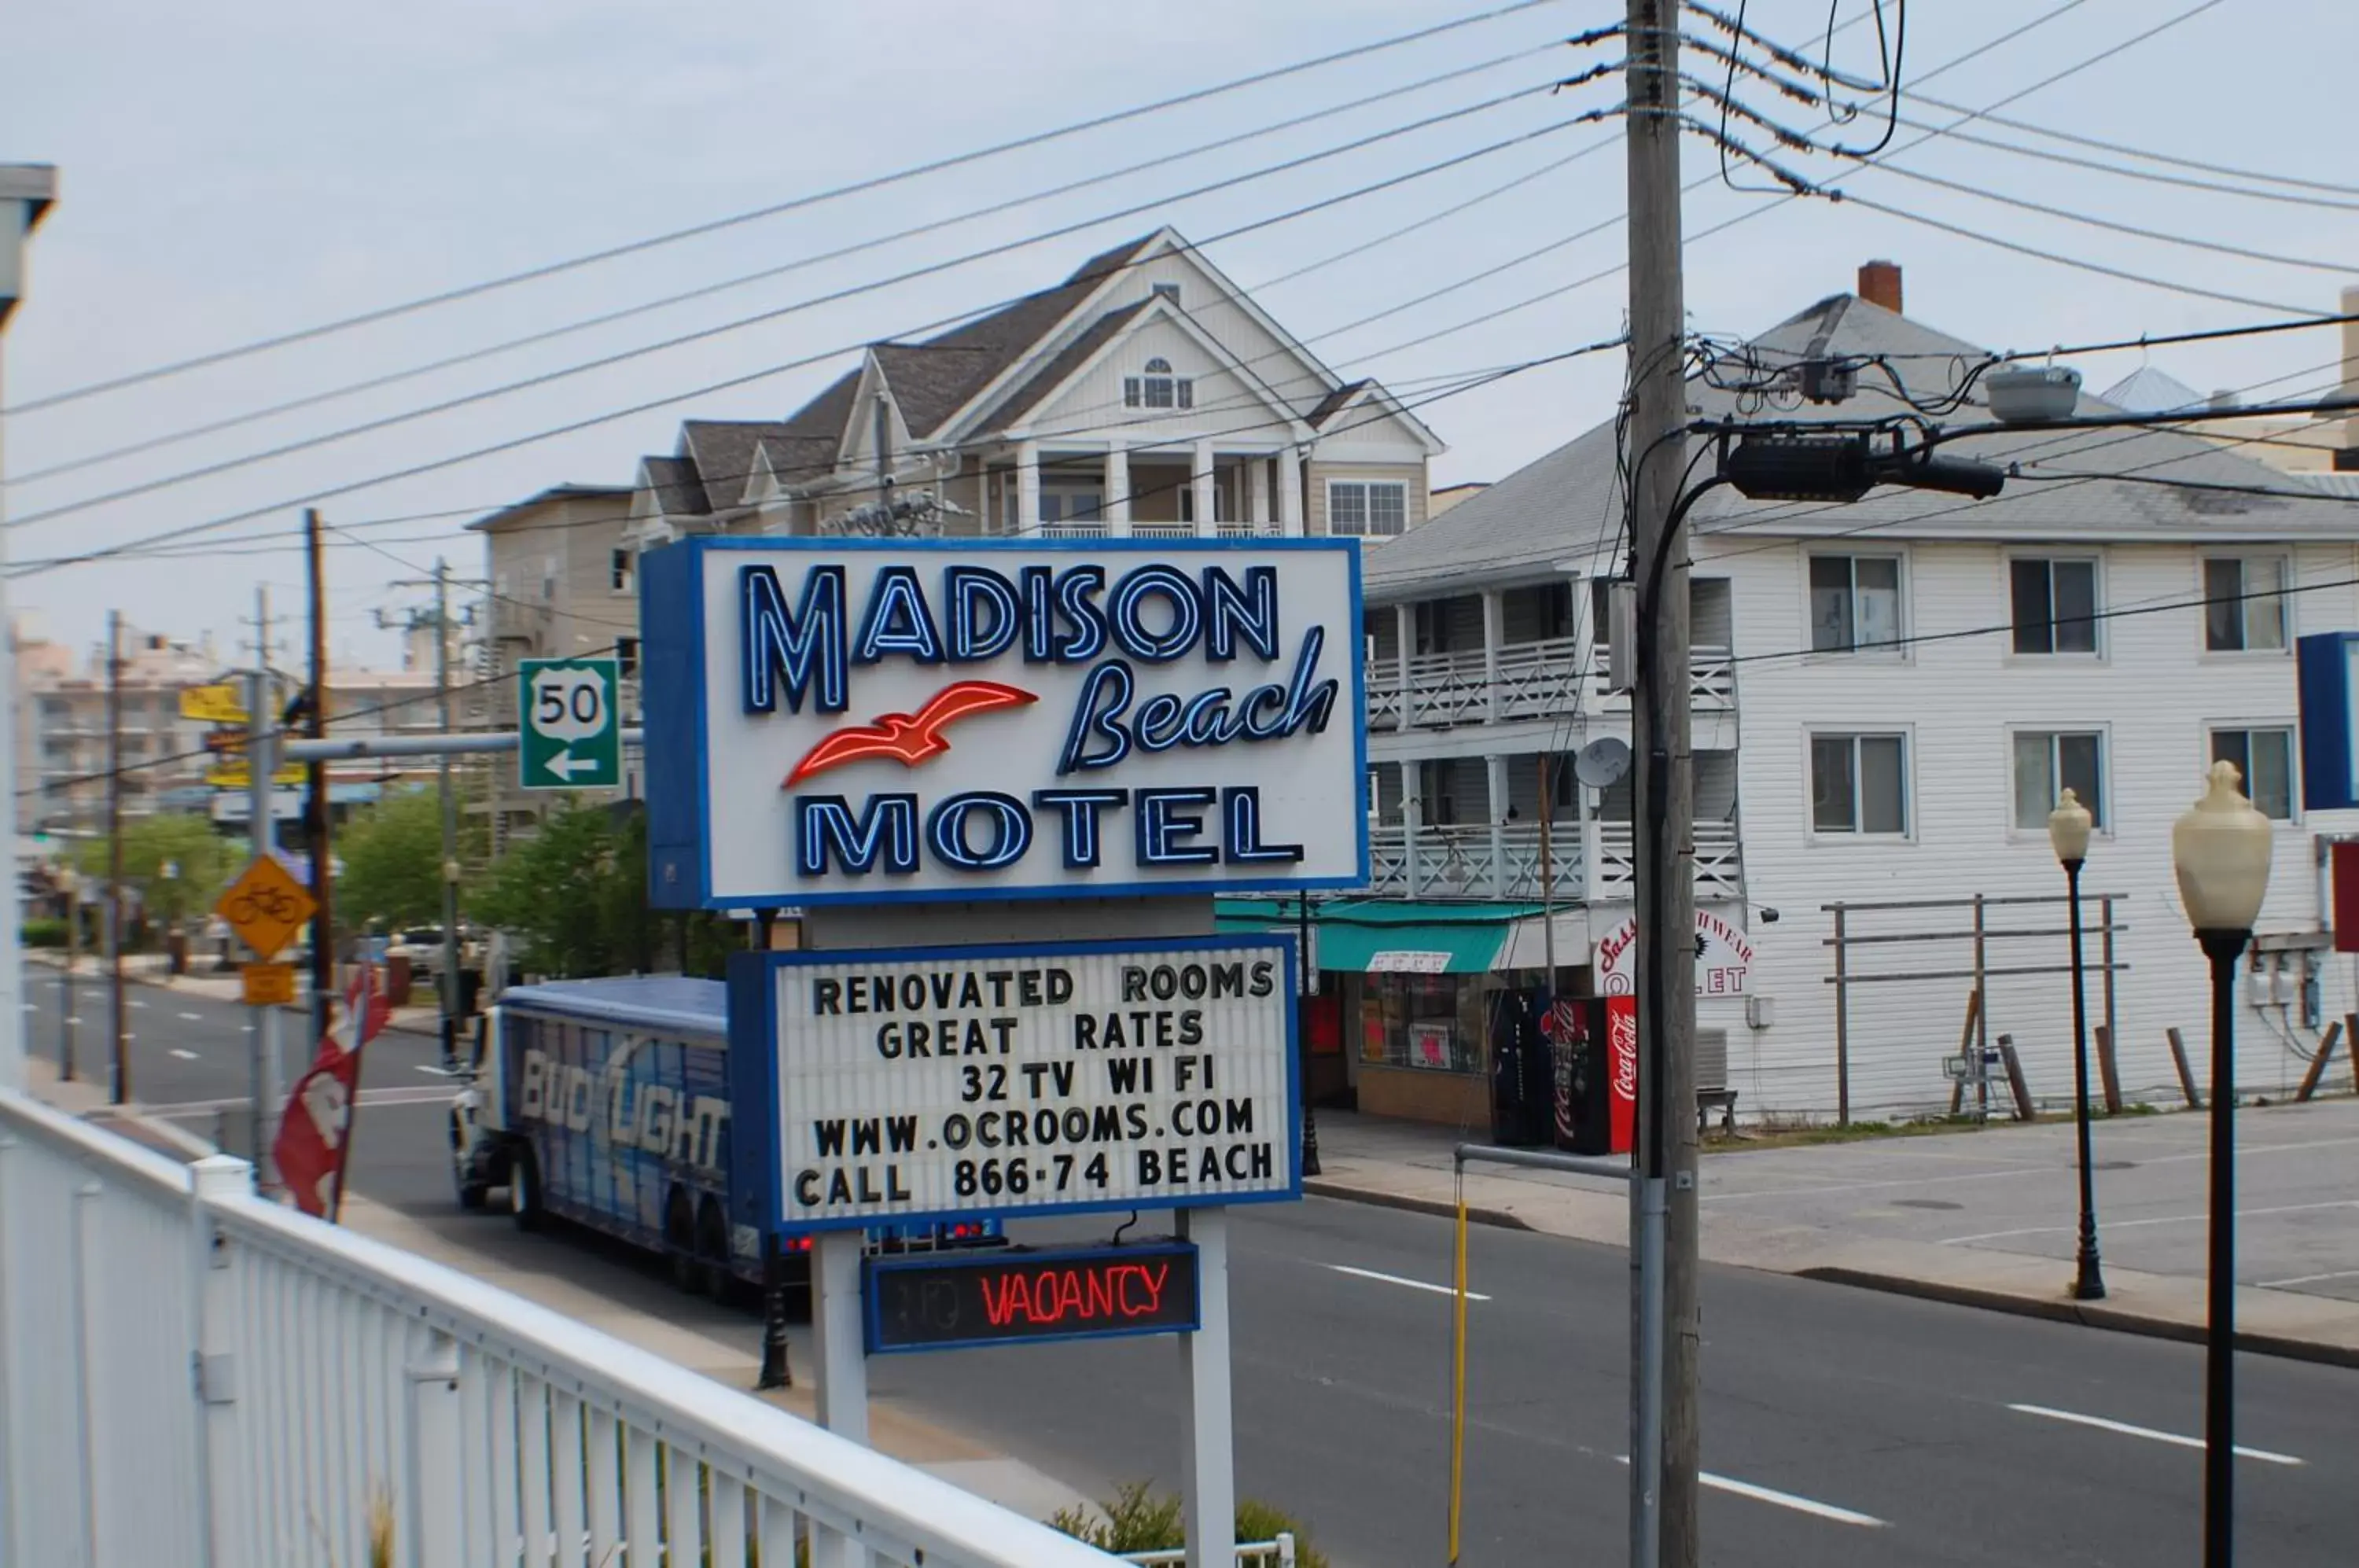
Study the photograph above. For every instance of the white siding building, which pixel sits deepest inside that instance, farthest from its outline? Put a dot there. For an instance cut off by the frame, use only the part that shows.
(1889, 696)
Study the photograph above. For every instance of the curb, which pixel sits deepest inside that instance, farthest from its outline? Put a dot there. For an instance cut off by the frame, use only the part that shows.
(427, 1029)
(2063, 1311)
(1376, 1197)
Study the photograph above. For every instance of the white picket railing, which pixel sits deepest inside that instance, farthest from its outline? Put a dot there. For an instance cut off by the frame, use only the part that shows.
(192, 1376)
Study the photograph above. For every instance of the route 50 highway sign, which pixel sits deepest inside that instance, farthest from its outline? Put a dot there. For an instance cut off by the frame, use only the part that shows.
(572, 736)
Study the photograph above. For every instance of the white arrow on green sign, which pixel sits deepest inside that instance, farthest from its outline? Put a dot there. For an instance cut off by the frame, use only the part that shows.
(573, 738)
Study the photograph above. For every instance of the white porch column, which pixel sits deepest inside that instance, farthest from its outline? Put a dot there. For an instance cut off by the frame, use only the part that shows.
(1495, 786)
(1290, 492)
(1412, 820)
(1117, 491)
(1493, 632)
(1027, 487)
(1405, 640)
(1200, 479)
(1257, 494)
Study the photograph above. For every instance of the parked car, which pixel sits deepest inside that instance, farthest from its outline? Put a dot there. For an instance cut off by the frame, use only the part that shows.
(422, 946)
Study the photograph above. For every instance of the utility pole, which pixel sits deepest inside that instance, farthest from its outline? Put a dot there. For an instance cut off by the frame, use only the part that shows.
(450, 820)
(261, 786)
(323, 922)
(1665, 1449)
(119, 1089)
(26, 191)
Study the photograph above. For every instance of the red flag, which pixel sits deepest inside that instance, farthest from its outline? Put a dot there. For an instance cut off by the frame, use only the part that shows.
(314, 1142)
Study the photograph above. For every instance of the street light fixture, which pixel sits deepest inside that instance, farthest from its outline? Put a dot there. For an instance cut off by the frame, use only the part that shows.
(2221, 849)
(2067, 830)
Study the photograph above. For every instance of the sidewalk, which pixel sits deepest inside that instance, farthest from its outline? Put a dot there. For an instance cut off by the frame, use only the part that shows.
(1984, 1218)
(152, 969)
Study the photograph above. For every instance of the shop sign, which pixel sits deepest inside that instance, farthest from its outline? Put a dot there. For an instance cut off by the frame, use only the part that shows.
(1723, 957)
(1407, 960)
(911, 1085)
(941, 1301)
(843, 721)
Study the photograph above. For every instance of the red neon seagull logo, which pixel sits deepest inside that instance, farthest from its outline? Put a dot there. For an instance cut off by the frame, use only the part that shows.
(909, 738)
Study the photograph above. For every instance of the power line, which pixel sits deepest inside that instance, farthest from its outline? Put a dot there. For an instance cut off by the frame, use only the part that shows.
(833, 297)
(772, 210)
(799, 264)
(2309, 200)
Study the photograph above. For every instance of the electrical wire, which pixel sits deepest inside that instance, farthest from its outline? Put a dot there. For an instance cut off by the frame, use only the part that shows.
(859, 187)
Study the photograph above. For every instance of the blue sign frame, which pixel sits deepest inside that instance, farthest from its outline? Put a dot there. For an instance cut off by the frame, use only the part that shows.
(872, 1310)
(678, 733)
(755, 1136)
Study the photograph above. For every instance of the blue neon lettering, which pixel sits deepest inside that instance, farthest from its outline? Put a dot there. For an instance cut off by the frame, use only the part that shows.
(1250, 723)
(983, 614)
(1159, 723)
(1075, 600)
(1039, 622)
(1240, 816)
(1207, 720)
(1011, 837)
(886, 830)
(1309, 704)
(1231, 612)
(899, 620)
(1105, 692)
(1160, 823)
(794, 648)
(1080, 810)
(1130, 628)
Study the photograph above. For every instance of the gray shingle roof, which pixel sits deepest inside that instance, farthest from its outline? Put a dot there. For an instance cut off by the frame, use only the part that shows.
(1569, 502)
(932, 381)
(722, 450)
(1327, 406)
(678, 489)
(1067, 360)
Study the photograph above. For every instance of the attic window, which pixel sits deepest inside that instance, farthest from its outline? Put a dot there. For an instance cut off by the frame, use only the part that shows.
(1159, 388)
(1170, 292)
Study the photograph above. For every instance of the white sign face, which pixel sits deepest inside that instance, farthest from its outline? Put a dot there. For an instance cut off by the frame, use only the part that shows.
(840, 721)
(1724, 958)
(917, 1085)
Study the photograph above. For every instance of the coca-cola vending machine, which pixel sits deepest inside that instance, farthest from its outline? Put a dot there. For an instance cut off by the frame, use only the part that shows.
(1593, 1045)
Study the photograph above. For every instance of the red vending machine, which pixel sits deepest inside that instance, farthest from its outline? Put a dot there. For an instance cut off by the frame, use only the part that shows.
(1593, 1046)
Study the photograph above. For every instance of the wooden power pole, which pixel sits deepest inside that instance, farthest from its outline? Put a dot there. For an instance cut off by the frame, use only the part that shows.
(1664, 1208)
(323, 922)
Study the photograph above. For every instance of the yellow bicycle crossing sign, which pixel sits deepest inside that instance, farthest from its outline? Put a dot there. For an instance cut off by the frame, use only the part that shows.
(265, 906)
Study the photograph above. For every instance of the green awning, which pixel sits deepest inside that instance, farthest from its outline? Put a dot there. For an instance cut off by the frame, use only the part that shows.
(1378, 935)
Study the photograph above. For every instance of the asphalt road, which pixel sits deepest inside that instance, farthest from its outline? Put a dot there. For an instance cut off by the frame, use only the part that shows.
(1842, 1427)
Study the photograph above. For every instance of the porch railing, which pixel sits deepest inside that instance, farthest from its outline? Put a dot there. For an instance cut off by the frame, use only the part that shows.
(195, 1377)
(1526, 680)
(1479, 862)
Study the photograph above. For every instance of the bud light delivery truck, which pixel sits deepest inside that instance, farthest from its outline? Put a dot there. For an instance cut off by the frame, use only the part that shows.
(605, 1103)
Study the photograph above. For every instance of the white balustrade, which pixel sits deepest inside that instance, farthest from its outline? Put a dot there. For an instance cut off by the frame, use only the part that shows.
(192, 1376)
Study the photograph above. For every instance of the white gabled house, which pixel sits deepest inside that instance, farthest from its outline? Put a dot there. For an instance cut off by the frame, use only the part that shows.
(1145, 395)
(1887, 698)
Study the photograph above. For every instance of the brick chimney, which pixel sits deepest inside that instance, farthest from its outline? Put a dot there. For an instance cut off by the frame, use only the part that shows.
(1879, 284)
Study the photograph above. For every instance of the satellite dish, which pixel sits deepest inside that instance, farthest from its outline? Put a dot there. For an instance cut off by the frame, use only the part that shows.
(1603, 762)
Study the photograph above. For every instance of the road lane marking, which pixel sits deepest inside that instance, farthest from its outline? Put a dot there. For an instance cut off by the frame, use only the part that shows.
(432, 1071)
(136, 1002)
(1397, 1279)
(423, 1094)
(2262, 1454)
(1793, 1500)
(2309, 1278)
(2159, 1219)
(194, 1017)
(184, 1056)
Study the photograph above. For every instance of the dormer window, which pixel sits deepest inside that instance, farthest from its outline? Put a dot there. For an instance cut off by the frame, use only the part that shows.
(1158, 388)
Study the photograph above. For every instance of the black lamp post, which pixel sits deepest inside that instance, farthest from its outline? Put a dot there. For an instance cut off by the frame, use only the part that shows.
(2220, 850)
(2067, 830)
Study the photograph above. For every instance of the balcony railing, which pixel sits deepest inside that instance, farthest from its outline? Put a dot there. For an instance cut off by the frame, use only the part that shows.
(1482, 862)
(1526, 680)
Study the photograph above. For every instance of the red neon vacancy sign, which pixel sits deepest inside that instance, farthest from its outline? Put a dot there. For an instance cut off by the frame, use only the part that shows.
(942, 1301)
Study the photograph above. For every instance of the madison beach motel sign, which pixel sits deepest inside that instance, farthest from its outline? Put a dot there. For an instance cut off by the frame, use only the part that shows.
(840, 721)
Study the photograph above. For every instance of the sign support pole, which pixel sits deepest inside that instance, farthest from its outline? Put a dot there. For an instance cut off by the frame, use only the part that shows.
(260, 769)
(1208, 1445)
(842, 1365)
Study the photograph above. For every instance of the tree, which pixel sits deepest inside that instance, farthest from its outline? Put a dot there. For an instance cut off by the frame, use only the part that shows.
(391, 856)
(175, 861)
(556, 892)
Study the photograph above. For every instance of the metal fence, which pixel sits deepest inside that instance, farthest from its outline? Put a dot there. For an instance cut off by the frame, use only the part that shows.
(192, 1376)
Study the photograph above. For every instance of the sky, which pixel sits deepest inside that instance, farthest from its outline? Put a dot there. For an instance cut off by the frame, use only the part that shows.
(239, 170)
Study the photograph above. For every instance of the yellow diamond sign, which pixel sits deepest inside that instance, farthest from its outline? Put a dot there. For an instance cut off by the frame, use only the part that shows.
(265, 906)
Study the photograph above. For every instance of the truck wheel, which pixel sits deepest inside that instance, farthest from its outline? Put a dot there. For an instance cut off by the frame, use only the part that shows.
(523, 1187)
(472, 1189)
(712, 1250)
(679, 1243)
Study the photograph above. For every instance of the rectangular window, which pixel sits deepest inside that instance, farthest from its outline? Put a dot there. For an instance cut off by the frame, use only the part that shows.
(1854, 602)
(618, 571)
(1859, 784)
(626, 658)
(2047, 763)
(1366, 508)
(2265, 759)
(2244, 606)
(2055, 606)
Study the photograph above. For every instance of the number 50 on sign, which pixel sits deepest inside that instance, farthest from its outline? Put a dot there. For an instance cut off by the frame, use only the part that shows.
(572, 736)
